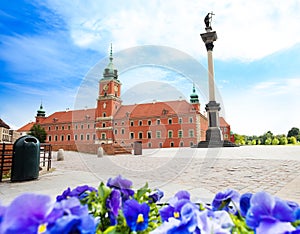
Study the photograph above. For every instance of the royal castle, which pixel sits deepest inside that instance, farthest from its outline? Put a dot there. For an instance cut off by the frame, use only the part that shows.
(174, 123)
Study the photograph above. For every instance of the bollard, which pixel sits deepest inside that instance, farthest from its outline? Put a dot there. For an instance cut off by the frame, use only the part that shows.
(100, 152)
(60, 155)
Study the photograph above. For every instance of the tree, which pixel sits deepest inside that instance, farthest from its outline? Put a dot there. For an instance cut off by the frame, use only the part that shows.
(38, 132)
(292, 140)
(275, 141)
(283, 140)
(293, 132)
(268, 141)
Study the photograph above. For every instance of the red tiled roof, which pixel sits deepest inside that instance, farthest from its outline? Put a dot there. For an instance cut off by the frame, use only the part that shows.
(154, 109)
(70, 116)
(26, 127)
(3, 124)
(223, 122)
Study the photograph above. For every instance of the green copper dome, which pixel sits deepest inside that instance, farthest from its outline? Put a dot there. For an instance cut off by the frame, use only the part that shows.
(110, 71)
(194, 96)
(41, 112)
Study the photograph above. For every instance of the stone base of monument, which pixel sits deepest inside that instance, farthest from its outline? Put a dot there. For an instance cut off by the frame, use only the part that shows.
(215, 144)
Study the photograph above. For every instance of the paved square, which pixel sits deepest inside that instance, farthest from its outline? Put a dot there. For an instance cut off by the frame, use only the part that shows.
(203, 172)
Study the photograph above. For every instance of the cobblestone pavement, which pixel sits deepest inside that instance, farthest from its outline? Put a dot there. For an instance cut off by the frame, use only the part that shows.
(203, 172)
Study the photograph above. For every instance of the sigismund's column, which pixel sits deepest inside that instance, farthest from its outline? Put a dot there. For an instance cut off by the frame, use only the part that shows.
(213, 133)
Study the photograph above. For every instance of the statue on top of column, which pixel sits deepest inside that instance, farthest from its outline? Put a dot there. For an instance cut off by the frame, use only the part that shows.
(207, 21)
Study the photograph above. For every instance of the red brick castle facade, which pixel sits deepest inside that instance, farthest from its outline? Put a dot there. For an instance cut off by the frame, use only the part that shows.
(176, 123)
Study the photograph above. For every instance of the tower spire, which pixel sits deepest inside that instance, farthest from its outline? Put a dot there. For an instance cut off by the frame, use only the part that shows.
(110, 71)
(194, 96)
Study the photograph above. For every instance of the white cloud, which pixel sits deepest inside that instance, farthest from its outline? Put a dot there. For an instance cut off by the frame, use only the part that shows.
(246, 29)
(270, 105)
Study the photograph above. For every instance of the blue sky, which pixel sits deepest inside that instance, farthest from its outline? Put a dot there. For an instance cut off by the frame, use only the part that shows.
(48, 48)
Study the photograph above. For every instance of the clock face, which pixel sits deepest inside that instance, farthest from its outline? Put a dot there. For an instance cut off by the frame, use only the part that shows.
(116, 88)
(105, 87)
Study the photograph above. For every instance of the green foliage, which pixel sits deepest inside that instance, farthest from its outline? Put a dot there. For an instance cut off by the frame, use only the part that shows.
(268, 141)
(292, 140)
(283, 140)
(269, 138)
(275, 141)
(97, 205)
(293, 132)
(38, 132)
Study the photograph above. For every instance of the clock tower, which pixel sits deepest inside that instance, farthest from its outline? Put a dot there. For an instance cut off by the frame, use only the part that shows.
(108, 102)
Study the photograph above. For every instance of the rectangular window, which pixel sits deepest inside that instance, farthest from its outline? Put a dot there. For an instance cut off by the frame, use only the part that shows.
(63, 127)
(191, 119)
(158, 121)
(132, 135)
(158, 134)
(103, 136)
(180, 133)
(140, 123)
(180, 120)
(116, 131)
(87, 137)
(149, 122)
(191, 133)
(131, 123)
(149, 135)
(170, 121)
(170, 134)
(122, 131)
(140, 135)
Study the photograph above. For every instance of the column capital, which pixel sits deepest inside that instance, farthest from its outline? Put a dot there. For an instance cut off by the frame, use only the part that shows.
(209, 46)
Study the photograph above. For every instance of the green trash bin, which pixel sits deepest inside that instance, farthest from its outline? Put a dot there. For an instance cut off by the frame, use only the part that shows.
(26, 159)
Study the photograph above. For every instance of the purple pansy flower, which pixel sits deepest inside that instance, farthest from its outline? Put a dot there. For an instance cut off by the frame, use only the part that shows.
(185, 222)
(155, 196)
(215, 222)
(136, 215)
(267, 213)
(175, 205)
(79, 191)
(180, 216)
(222, 200)
(113, 204)
(28, 213)
(71, 217)
(245, 203)
(2, 210)
(121, 184)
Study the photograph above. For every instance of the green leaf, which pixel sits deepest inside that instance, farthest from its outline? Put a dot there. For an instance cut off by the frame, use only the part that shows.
(140, 193)
(103, 191)
(111, 230)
